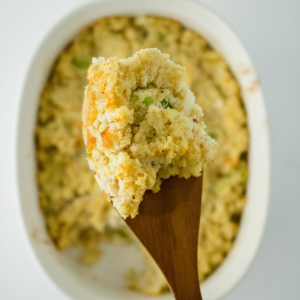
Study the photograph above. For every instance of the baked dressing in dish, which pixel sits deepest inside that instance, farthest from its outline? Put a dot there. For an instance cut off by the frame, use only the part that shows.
(76, 213)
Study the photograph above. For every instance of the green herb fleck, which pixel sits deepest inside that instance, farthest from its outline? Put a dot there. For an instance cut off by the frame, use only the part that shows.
(134, 97)
(148, 101)
(89, 155)
(161, 37)
(165, 103)
(119, 233)
(244, 175)
(213, 135)
(80, 63)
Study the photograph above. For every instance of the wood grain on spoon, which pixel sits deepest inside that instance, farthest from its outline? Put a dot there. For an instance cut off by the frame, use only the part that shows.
(168, 226)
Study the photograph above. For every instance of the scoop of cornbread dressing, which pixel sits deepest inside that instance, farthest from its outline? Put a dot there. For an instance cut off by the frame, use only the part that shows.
(76, 215)
(141, 125)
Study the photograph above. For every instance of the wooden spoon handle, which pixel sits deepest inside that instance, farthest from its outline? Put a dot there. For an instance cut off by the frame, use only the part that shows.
(172, 217)
(183, 278)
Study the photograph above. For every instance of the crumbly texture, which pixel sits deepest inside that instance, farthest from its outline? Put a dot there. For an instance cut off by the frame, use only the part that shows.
(75, 211)
(141, 125)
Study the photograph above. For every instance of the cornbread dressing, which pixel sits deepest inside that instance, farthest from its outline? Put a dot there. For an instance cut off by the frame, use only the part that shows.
(75, 211)
(141, 125)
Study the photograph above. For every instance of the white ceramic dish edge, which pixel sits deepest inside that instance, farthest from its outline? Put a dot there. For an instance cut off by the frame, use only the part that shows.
(218, 35)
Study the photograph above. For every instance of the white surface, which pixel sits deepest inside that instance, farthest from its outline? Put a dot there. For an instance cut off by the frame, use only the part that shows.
(104, 281)
(270, 32)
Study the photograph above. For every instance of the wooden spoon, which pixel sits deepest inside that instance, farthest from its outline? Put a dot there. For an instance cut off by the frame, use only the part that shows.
(168, 226)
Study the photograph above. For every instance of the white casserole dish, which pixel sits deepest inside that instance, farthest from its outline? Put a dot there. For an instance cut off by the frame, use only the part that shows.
(105, 281)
